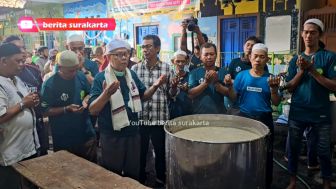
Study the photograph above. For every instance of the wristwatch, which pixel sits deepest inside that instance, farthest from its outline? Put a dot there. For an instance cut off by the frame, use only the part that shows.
(21, 104)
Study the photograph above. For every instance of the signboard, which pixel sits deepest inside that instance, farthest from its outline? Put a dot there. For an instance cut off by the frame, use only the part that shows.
(131, 7)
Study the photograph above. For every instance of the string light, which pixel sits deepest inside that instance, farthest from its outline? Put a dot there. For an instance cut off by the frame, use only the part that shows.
(13, 3)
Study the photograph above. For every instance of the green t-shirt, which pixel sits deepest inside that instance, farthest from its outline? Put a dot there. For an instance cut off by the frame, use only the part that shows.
(310, 100)
(70, 128)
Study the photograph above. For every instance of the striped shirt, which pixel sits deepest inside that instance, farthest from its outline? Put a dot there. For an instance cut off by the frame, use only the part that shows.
(155, 110)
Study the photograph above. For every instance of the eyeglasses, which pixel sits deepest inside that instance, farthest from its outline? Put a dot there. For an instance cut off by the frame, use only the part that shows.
(146, 46)
(75, 49)
(121, 55)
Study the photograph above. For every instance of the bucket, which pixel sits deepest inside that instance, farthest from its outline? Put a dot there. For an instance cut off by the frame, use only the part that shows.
(202, 151)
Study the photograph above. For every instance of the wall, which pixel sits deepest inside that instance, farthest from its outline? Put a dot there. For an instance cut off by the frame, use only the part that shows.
(168, 29)
(33, 40)
(243, 7)
(88, 9)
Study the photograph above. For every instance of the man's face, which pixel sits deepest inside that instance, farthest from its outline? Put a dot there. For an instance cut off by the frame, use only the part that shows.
(310, 35)
(258, 59)
(208, 56)
(148, 49)
(248, 47)
(180, 61)
(119, 59)
(78, 48)
(45, 53)
(68, 72)
(13, 64)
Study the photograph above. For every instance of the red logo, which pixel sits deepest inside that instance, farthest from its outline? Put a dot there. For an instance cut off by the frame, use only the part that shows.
(27, 24)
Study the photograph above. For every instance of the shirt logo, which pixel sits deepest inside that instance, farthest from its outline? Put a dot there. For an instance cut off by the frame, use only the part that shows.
(64, 97)
(254, 89)
(201, 80)
(238, 69)
(320, 71)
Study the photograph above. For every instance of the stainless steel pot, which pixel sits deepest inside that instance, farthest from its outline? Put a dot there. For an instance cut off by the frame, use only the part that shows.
(196, 164)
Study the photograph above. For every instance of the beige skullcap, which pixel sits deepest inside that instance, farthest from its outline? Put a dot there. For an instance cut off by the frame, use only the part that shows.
(68, 59)
(260, 46)
(316, 21)
(116, 44)
(75, 38)
(179, 52)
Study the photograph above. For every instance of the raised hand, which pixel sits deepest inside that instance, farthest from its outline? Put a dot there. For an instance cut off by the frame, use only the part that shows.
(174, 82)
(228, 80)
(304, 64)
(111, 89)
(31, 100)
(274, 82)
(162, 79)
(211, 76)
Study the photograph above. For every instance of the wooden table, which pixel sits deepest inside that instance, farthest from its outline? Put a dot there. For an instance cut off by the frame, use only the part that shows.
(63, 170)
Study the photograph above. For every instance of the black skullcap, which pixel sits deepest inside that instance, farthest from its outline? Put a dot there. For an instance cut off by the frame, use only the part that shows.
(9, 49)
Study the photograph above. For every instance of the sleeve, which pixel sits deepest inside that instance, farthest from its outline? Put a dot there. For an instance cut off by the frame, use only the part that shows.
(231, 68)
(139, 84)
(237, 83)
(46, 97)
(86, 84)
(193, 79)
(96, 89)
(292, 69)
(3, 102)
(221, 74)
(92, 67)
(332, 67)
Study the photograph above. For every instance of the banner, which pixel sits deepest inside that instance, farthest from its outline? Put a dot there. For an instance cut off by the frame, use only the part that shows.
(28, 24)
(130, 8)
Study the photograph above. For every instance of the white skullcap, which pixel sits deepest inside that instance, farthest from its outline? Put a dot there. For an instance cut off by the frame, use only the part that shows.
(260, 46)
(316, 21)
(75, 38)
(68, 59)
(179, 52)
(116, 44)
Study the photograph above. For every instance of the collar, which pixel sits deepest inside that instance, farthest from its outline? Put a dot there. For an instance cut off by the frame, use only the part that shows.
(155, 66)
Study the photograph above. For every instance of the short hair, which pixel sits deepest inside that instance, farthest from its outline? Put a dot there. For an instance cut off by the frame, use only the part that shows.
(155, 38)
(197, 47)
(41, 49)
(11, 38)
(253, 38)
(98, 50)
(205, 37)
(9, 49)
(209, 45)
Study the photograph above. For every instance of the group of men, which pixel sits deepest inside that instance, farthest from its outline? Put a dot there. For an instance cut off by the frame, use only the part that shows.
(133, 104)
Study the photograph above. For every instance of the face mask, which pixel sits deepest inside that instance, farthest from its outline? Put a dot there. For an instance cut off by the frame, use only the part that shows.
(119, 74)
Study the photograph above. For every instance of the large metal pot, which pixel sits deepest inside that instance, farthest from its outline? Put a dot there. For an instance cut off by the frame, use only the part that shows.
(197, 164)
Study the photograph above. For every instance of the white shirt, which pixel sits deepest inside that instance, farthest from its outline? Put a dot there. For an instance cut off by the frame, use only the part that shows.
(18, 136)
